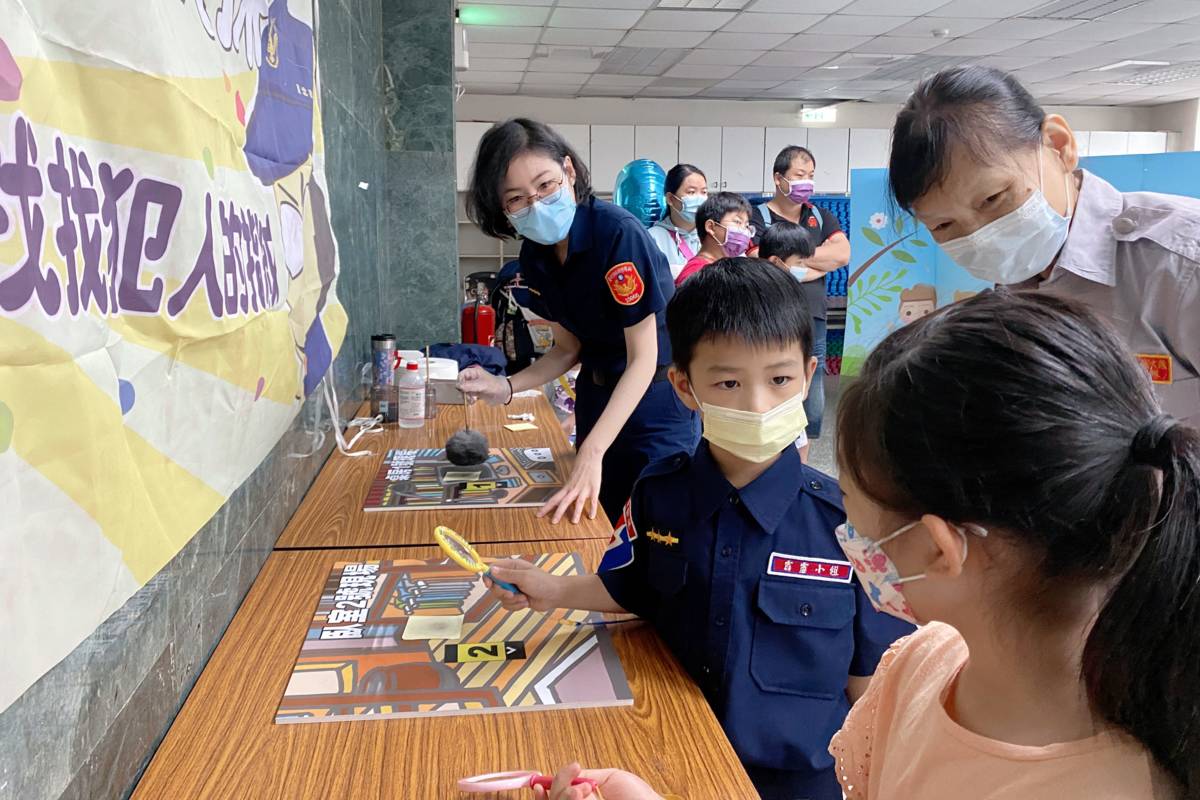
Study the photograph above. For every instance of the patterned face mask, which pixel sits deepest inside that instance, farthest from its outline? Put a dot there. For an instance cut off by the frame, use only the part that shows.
(877, 571)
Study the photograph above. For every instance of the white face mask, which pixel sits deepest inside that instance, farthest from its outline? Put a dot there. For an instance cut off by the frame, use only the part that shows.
(1017, 246)
(753, 436)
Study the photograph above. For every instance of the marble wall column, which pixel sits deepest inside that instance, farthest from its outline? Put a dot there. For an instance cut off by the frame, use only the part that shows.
(419, 238)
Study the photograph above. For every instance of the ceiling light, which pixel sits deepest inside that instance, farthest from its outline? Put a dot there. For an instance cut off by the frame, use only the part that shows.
(1131, 63)
(1082, 10)
(1157, 77)
(731, 5)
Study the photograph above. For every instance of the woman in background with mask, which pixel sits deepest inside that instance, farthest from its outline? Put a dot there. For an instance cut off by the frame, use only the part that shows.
(596, 275)
(996, 181)
(675, 234)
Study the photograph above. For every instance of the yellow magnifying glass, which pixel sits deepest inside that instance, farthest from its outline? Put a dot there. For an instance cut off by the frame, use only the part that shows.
(461, 553)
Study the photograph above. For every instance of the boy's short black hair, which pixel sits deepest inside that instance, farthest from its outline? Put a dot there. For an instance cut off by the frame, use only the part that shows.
(748, 299)
(717, 206)
(785, 239)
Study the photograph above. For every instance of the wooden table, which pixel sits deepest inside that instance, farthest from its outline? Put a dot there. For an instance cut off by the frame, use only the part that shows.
(224, 743)
(331, 514)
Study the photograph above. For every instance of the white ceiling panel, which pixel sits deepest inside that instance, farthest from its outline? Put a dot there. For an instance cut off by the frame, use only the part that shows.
(585, 37)
(502, 34)
(1050, 48)
(483, 76)
(746, 41)
(845, 25)
(660, 39)
(1025, 29)
(954, 26)
(624, 81)
(738, 85)
(714, 71)
(586, 65)
(551, 78)
(685, 20)
(593, 18)
(1008, 63)
(1101, 31)
(772, 23)
(499, 64)
(494, 50)
(1158, 11)
(900, 45)
(620, 4)
(739, 57)
(789, 58)
(491, 88)
(974, 47)
(913, 8)
(825, 44)
(786, 6)
(988, 9)
(743, 49)
(777, 74)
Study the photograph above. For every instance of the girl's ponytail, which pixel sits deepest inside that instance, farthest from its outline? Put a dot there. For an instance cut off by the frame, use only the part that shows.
(1141, 663)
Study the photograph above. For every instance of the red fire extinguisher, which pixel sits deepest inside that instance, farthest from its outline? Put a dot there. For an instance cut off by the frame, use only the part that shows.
(478, 323)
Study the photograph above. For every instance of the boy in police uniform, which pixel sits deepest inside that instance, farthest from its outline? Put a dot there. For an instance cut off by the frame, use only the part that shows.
(730, 552)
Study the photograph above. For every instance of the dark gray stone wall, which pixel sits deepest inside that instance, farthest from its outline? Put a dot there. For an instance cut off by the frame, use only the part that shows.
(88, 728)
(419, 237)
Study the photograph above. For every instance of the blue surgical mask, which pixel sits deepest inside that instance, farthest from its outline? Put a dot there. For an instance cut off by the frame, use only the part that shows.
(691, 204)
(1017, 246)
(547, 221)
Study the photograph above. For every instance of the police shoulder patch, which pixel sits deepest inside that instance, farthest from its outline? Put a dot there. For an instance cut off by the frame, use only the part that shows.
(625, 283)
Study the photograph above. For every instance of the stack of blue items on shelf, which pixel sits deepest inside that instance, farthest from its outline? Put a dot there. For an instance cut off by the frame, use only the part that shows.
(835, 282)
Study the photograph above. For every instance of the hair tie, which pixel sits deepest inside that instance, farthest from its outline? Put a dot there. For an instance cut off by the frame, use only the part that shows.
(1150, 445)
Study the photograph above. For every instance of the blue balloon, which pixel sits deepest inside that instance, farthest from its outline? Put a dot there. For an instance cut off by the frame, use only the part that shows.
(640, 190)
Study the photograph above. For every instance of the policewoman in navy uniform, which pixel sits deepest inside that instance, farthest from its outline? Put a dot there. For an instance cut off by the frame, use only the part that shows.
(597, 276)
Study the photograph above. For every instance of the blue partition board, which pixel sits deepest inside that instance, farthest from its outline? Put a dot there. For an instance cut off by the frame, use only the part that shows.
(1169, 173)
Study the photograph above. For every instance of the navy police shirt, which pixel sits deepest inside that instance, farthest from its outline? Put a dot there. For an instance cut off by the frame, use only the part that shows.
(751, 591)
(613, 278)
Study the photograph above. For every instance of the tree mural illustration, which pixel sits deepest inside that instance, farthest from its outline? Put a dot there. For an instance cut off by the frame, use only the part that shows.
(881, 290)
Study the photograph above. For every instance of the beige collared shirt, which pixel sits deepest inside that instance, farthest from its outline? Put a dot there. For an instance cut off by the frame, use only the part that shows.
(1134, 258)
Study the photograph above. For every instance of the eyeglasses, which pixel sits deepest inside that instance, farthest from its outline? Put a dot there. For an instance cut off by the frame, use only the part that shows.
(547, 192)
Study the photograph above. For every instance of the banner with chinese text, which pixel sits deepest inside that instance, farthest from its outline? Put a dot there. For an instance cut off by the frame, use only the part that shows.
(167, 289)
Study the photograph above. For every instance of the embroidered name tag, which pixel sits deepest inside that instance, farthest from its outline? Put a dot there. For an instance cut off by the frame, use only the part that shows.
(809, 568)
(1159, 367)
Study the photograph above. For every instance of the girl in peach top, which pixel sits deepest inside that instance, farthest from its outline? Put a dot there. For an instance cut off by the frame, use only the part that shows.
(1011, 482)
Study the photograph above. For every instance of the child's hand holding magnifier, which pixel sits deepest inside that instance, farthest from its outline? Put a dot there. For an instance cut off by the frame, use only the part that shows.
(537, 589)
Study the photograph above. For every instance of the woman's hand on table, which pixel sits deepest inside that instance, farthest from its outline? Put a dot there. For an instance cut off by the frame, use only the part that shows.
(581, 492)
(613, 784)
(538, 588)
(478, 383)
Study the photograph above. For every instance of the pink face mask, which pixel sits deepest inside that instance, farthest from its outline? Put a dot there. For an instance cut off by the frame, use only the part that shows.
(877, 572)
(737, 241)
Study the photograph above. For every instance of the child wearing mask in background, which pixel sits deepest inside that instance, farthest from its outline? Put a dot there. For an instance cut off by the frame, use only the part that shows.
(787, 245)
(724, 225)
(731, 552)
